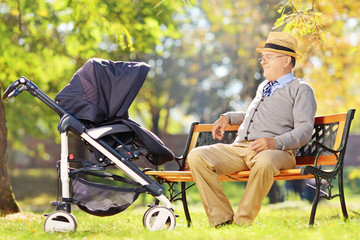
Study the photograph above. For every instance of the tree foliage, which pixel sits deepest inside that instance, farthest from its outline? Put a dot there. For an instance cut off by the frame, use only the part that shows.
(202, 55)
(48, 41)
(213, 67)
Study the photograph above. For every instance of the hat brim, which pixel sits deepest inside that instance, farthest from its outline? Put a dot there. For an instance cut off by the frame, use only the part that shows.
(295, 55)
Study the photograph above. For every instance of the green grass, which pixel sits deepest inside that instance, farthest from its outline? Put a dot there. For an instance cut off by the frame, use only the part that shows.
(287, 220)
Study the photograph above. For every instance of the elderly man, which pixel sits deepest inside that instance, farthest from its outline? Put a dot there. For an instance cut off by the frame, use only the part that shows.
(278, 121)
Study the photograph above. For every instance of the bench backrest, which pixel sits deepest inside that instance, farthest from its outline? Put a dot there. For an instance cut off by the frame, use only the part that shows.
(330, 130)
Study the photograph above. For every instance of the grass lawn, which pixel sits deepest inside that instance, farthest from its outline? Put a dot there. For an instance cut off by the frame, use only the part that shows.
(287, 220)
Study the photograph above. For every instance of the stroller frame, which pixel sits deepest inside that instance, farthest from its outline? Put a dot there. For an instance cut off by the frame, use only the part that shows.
(62, 220)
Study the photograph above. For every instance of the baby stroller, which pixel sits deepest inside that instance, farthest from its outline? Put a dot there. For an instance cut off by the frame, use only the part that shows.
(94, 106)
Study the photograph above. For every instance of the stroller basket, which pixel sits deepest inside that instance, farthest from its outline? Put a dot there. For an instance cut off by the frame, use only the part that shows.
(102, 200)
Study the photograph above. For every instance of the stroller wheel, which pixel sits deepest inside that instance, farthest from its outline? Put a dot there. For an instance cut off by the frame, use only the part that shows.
(158, 218)
(60, 221)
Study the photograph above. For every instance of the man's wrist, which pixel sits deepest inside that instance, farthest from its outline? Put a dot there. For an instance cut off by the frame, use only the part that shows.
(227, 116)
(279, 145)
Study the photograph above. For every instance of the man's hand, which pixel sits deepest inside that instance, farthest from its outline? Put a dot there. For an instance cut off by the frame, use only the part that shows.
(219, 127)
(262, 144)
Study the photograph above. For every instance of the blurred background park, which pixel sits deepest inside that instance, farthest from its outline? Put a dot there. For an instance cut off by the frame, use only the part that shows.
(203, 63)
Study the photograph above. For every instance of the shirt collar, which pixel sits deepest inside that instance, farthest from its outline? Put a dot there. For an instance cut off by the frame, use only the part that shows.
(284, 80)
(281, 83)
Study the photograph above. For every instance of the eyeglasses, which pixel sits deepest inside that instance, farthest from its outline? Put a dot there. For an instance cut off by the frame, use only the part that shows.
(267, 58)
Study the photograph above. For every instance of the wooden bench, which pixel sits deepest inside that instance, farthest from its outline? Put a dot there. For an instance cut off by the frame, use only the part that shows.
(326, 148)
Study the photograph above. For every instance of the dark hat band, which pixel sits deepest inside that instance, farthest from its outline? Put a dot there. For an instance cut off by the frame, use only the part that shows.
(278, 47)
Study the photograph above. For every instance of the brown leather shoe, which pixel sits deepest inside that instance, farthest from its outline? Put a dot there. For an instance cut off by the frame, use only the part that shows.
(224, 224)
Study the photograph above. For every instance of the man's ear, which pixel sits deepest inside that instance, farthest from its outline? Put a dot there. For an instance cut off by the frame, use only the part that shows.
(288, 60)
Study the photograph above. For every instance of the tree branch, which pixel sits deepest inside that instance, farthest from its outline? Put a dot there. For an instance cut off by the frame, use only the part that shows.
(19, 9)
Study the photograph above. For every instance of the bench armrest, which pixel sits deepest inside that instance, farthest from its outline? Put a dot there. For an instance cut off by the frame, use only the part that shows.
(322, 148)
(320, 145)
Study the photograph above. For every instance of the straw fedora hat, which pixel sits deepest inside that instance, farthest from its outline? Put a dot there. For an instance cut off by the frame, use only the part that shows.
(282, 43)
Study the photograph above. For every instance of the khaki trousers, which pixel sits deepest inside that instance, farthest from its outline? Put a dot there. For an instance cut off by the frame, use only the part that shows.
(208, 162)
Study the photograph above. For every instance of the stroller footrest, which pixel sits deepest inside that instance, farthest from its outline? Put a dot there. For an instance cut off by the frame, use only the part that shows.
(65, 206)
(55, 203)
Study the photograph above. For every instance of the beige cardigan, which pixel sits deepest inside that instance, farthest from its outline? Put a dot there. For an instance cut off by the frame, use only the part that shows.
(287, 115)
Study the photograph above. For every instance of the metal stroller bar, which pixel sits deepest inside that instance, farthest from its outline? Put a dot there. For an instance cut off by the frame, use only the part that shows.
(133, 172)
(64, 166)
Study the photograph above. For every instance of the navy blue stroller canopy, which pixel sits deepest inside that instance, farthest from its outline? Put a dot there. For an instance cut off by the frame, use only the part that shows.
(101, 92)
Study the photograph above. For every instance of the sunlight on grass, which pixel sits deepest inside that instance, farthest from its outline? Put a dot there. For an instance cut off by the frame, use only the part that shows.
(288, 220)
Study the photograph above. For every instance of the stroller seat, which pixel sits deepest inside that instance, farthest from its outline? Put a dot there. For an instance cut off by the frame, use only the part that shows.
(100, 132)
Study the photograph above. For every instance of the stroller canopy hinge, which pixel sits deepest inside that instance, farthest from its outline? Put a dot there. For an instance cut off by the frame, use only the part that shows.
(68, 122)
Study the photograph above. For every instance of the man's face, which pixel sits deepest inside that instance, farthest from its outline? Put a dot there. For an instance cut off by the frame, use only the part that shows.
(274, 65)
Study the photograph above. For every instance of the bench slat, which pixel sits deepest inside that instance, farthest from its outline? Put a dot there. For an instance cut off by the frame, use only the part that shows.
(185, 176)
(328, 160)
(208, 128)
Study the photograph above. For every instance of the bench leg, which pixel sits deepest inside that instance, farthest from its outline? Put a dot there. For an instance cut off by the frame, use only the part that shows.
(342, 196)
(184, 202)
(316, 200)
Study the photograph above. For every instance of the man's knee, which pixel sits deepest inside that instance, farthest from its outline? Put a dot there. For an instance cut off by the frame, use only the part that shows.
(194, 157)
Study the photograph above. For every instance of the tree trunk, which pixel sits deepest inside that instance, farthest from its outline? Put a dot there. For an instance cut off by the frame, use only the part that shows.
(8, 204)
(155, 116)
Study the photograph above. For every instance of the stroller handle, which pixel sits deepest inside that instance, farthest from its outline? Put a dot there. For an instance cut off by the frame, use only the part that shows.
(22, 84)
(16, 88)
